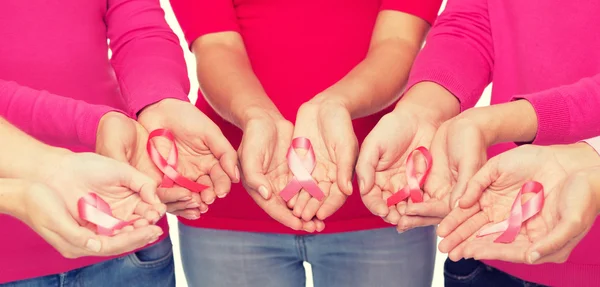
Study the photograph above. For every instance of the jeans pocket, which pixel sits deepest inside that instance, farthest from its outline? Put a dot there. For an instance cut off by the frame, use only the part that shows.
(157, 255)
(463, 272)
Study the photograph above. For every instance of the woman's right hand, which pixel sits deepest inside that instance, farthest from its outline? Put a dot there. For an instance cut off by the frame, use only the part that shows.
(45, 211)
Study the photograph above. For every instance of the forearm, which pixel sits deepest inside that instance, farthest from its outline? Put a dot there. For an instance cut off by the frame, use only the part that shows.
(430, 100)
(366, 90)
(35, 112)
(11, 193)
(228, 82)
(377, 81)
(509, 122)
(21, 156)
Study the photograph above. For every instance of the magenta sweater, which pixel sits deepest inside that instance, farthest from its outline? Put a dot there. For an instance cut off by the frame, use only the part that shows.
(544, 51)
(53, 65)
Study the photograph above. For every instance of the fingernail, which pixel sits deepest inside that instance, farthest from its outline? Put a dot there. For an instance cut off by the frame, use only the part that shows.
(534, 256)
(204, 211)
(211, 201)
(153, 239)
(362, 186)
(263, 192)
(186, 198)
(93, 245)
(192, 205)
(399, 231)
(237, 173)
(349, 186)
(222, 195)
(156, 199)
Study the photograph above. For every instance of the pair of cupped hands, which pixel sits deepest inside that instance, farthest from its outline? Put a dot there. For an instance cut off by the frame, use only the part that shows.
(465, 192)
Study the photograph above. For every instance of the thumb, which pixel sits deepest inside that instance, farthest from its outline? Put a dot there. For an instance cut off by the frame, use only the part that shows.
(478, 183)
(467, 168)
(222, 149)
(368, 159)
(556, 240)
(138, 182)
(255, 178)
(345, 155)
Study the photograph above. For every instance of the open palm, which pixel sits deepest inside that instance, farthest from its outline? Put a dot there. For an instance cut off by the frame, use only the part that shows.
(381, 166)
(330, 132)
(498, 183)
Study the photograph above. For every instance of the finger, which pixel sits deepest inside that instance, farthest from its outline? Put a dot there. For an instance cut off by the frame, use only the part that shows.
(255, 178)
(463, 232)
(129, 241)
(320, 225)
(365, 166)
(190, 214)
(292, 201)
(559, 256)
(556, 240)
(303, 198)
(276, 208)
(454, 219)
(309, 226)
(138, 182)
(221, 148)
(147, 212)
(432, 208)
(410, 222)
(467, 168)
(345, 156)
(485, 249)
(310, 211)
(332, 203)
(393, 217)
(456, 254)
(375, 203)
(173, 194)
(479, 182)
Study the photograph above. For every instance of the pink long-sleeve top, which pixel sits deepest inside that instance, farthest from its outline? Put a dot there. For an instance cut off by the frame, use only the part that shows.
(56, 82)
(543, 51)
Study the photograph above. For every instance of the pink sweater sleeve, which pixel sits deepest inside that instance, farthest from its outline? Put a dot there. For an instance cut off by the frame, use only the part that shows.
(458, 53)
(567, 114)
(147, 57)
(50, 117)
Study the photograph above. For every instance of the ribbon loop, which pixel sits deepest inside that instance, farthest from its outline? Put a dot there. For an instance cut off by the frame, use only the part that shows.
(94, 209)
(168, 166)
(519, 213)
(302, 169)
(414, 182)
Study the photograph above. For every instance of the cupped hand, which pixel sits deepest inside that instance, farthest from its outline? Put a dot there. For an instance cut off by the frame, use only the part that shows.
(328, 126)
(45, 211)
(502, 178)
(130, 194)
(205, 155)
(124, 139)
(381, 166)
(265, 172)
(459, 149)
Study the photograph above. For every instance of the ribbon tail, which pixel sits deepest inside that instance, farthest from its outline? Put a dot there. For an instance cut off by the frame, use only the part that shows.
(291, 189)
(398, 196)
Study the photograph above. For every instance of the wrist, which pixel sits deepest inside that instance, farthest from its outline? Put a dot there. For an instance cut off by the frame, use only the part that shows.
(254, 113)
(49, 162)
(12, 194)
(484, 121)
(576, 157)
(107, 124)
(153, 115)
(431, 101)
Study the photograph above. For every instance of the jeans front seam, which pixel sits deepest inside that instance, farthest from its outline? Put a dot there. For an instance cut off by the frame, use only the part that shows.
(301, 247)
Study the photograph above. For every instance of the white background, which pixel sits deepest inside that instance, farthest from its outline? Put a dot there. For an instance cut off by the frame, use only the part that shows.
(438, 279)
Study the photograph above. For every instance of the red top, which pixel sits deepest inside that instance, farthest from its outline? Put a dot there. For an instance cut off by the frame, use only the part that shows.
(297, 49)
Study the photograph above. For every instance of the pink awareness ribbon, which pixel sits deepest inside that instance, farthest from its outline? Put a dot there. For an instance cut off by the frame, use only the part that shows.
(519, 213)
(94, 209)
(168, 166)
(302, 169)
(414, 183)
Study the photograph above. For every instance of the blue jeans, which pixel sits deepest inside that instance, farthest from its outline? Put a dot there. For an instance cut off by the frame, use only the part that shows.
(373, 258)
(152, 266)
(472, 273)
